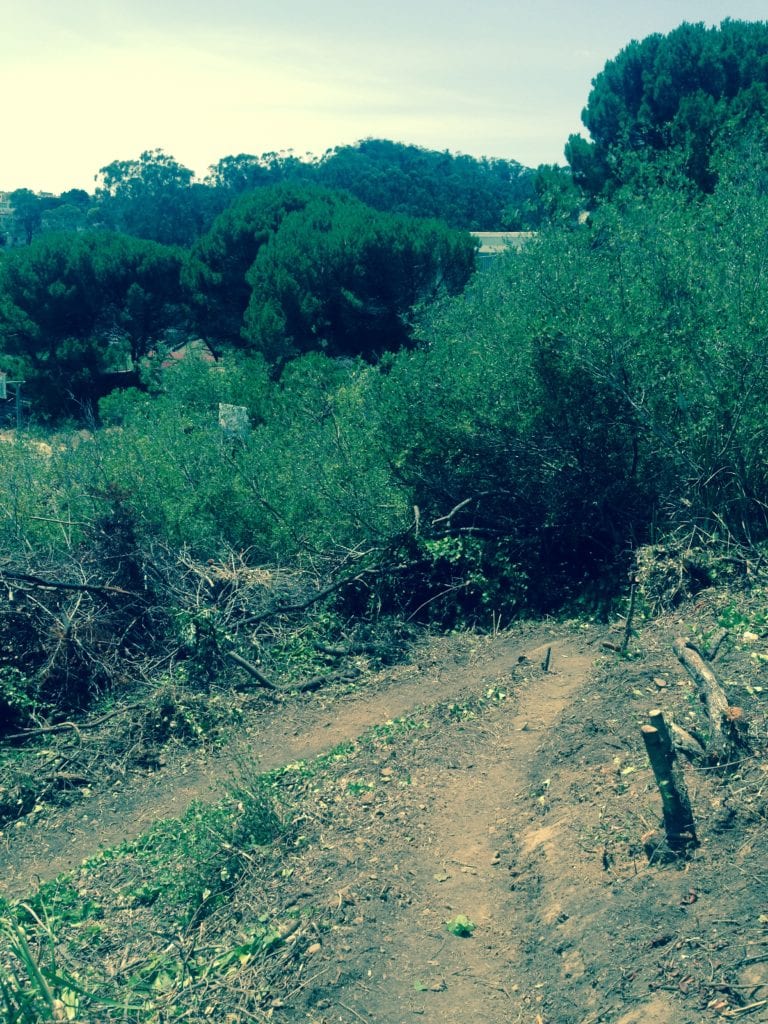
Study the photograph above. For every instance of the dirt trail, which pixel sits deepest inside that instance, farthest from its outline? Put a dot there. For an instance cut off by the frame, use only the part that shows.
(60, 840)
(514, 796)
(461, 864)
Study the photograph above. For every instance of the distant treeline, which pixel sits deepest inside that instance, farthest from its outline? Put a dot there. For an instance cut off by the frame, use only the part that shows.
(156, 198)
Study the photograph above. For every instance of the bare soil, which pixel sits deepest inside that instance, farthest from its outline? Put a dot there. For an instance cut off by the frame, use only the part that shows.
(528, 820)
(514, 796)
(274, 734)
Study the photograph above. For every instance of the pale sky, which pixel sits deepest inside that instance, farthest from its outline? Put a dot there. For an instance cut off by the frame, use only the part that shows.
(86, 82)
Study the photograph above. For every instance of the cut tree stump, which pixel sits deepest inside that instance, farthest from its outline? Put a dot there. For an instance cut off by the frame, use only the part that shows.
(679, 826)
(728, 726)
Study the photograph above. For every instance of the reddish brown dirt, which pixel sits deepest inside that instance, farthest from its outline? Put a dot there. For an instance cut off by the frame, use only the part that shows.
(459, 864)
(515, 797)
(274, 735)
(527, 818)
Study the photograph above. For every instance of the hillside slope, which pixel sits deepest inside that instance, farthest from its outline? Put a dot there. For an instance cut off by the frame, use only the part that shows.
(470, 792)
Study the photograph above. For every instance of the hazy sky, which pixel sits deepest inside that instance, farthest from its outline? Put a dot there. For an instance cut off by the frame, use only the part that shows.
(85, 82)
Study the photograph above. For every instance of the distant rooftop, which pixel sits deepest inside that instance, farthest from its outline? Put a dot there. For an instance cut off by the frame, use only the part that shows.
(494, 242)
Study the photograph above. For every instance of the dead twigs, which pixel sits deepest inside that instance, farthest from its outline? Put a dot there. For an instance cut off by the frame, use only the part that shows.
(740, 1011)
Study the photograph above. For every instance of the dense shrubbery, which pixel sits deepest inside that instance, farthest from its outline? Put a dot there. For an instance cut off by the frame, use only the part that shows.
(605, 385)
(602, 388)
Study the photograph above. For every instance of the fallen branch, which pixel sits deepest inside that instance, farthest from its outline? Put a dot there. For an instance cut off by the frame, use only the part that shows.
(346, 652)
(73, 726)
(252, 670)
(683, 741)
(456, 508)
(88, 588)
(70, 777)
(315, 682)
(301, 606)
(714, 646)
(728, 725)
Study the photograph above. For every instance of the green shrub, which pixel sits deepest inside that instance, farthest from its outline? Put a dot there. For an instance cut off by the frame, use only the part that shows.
(191, 863)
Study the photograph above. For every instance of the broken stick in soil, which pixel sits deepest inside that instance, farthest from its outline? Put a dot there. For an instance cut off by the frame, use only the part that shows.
(679, 826)
(630, 617)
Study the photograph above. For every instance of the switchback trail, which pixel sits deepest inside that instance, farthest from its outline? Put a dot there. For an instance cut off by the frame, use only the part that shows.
(60, 839)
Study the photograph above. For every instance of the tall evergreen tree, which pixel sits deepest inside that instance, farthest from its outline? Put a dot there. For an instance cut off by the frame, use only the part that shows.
(679, 95)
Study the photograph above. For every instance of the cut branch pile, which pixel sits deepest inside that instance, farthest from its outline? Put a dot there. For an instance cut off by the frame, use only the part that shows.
(117, 611)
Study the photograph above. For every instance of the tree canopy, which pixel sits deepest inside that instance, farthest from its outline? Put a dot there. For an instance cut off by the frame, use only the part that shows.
(290, 270)
(74, 307)
(464, 191)
(241, 173)
(215, 274)
(154, 197)
(684, 93)
(28, 211)
(338, 278)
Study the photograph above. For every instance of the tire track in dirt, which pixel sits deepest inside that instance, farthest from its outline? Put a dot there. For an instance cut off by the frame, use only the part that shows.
(61, 839)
